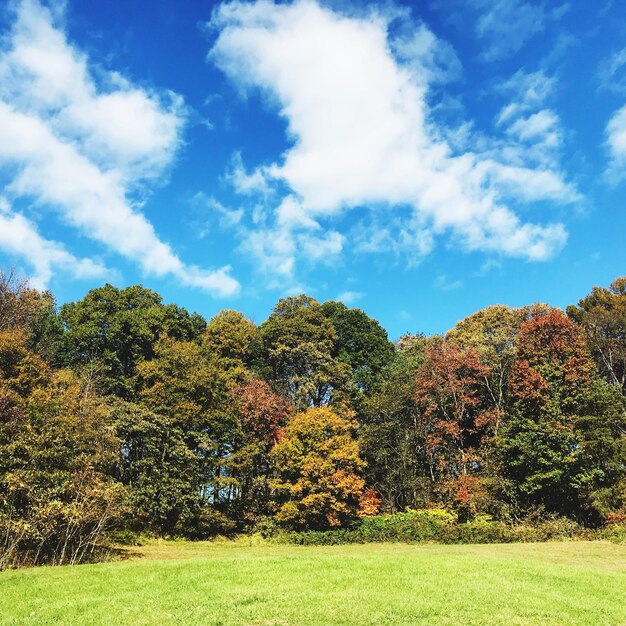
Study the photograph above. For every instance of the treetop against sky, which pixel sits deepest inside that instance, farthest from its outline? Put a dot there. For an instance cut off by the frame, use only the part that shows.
(419, 160)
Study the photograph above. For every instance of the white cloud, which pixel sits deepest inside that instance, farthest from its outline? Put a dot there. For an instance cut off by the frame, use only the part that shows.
(507, 25)
(247, 183)
(443, 283)
(19, 236)
(616, 140)
(429, 58)
(349, 297)
(320, 249)
(528, 92)
(612, 72)
(365, 138)
(81, 146)
(612, 77)
(530, 156)
(538, 125)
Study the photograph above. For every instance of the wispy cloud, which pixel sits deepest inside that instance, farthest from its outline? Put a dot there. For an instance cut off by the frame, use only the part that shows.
(507, 25)
(19, 236)
(528, 157)
(616, 142)
(83, 145)
(528, 91)
(349, 297)
(503, 27)
(444, 283)
(612, 72)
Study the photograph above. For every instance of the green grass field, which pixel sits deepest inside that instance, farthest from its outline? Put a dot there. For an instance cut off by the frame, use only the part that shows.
(239, 583)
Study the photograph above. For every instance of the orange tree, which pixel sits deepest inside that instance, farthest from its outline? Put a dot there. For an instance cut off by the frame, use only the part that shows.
(318, 469)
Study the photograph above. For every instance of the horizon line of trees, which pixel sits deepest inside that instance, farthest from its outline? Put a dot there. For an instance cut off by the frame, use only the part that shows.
(118, 411)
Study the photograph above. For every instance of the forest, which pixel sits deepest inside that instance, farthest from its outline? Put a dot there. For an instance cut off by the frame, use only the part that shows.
(122, 414)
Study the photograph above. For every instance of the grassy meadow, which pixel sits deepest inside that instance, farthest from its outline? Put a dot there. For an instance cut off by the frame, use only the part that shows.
(247, 583)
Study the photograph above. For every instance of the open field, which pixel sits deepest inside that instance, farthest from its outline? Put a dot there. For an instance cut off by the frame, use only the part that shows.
(243, 583)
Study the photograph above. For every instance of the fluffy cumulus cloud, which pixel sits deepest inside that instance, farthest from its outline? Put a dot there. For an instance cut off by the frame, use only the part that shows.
(356, 102)
(82, 143)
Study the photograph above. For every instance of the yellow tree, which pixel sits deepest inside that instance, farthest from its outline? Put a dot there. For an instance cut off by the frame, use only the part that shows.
(318, 471)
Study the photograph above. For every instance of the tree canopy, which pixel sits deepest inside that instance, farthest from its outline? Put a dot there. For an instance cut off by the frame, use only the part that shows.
(121, 412)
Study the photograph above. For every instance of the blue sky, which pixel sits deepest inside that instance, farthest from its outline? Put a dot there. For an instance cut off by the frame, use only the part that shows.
(417, 160)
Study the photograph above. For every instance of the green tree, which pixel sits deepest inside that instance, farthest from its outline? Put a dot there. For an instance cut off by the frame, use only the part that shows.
(361, 342)
(299, 341)
(391, 443)
(116, 329)
(177, 440)
(235, 341)
(561, 443)
(602, 315)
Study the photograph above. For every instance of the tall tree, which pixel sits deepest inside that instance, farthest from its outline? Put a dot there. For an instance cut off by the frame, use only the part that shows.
(561, 443)
(492, 333)
(361, 342)
(391, 443)
(299, 341)
(176, 443)
(116, 329)
(58, 449)
(262, 415)
(602, 315)
(456, 419)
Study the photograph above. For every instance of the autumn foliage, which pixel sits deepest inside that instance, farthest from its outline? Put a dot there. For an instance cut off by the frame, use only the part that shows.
(456, 418)
(318, 483)
(121, 412)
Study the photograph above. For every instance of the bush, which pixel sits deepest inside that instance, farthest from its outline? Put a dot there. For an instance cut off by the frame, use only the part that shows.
(126, 537)
(409, 526)
(437, 526)
(266, 527)
(614, 533)
(212, 522)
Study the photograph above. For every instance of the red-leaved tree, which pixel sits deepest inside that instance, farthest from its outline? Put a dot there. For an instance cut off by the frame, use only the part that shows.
(262, 414)
(456, 419)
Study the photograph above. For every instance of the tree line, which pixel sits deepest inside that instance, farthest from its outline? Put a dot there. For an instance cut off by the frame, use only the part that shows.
(118, 411)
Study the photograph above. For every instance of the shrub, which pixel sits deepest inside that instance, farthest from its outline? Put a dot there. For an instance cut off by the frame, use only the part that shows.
(126, 537)
(614, 533)
(433, 525)
(266, 527)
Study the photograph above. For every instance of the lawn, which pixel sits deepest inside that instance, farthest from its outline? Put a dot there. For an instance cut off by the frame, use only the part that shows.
(243, 583)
